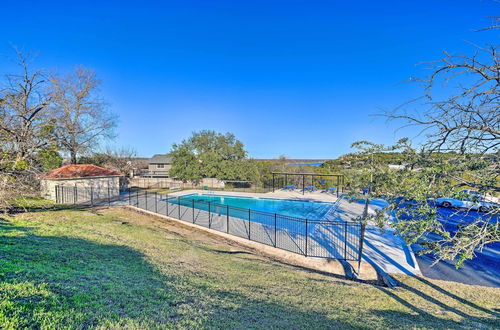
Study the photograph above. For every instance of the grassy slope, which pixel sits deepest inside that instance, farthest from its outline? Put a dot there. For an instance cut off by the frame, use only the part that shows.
(116, 268)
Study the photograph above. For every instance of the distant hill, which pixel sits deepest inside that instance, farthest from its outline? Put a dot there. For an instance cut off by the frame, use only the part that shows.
(296, 161)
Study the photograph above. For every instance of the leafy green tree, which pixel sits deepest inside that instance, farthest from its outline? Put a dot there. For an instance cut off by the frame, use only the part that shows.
(98, 159)
(49, 159)
(207, 154)
(409, 189)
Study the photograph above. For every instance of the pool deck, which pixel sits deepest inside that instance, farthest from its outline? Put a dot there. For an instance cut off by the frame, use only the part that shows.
(279, 194)
(383, 249)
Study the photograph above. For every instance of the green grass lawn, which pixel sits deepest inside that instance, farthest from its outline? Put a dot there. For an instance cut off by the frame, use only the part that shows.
(117, 268)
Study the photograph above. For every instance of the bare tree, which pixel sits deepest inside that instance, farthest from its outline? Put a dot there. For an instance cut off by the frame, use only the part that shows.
(461, 111)
(120, 159)
(26, 128)
(25, 122)
(82, 117)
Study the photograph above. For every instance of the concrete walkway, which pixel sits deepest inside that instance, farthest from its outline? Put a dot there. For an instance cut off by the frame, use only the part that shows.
(382, 248)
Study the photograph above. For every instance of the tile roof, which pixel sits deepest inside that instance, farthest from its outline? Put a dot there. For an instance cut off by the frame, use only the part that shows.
(79, 171)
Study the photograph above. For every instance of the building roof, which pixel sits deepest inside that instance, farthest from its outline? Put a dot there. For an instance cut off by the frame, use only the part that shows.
(160, 159)
(79, 171)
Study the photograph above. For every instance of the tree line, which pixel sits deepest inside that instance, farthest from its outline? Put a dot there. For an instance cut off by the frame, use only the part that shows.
(209, 154)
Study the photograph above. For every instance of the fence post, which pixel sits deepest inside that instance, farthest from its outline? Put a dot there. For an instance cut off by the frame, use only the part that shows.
(179, 207)
(307, 234)
(345, 240)
(209, 215)
(156, 202)
(129, 199)
(146, 194)
(192, 205)
(275, 243)
(249, 224)
(109, 196)
(57, 194)
(361, 239)
(167, 206)
(92, 195)
(227, 219)
(137, 197)
(75, 195)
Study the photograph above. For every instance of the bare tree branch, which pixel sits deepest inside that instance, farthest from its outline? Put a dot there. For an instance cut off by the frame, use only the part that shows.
(82, 117)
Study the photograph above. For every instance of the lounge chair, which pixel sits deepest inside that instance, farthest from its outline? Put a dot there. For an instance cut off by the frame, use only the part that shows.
(289, 187)
(309, 188)
(330, 190)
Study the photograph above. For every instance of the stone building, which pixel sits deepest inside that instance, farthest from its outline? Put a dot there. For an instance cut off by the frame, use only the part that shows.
(82, 183)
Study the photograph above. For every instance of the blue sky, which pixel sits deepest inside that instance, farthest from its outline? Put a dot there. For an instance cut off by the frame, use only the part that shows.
(295, 78)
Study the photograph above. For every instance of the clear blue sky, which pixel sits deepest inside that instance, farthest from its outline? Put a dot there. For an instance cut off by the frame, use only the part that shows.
(299, 78)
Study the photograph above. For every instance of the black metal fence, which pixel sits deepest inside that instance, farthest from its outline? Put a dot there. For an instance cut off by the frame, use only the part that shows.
(308, 237)
(92, 195)
(330, 183)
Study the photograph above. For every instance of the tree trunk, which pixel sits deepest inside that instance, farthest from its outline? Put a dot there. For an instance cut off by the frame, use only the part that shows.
(73, 157)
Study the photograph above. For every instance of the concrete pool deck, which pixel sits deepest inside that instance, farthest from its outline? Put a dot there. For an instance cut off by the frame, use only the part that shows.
(279, 194)
(382, 249)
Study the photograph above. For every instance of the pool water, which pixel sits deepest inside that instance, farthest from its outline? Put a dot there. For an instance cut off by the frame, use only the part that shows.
(293, 208)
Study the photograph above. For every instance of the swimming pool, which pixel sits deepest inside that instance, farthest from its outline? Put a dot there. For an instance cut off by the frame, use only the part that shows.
(304, 227)
(294, 208)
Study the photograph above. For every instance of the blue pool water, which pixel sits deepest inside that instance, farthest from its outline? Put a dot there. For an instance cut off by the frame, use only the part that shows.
(294, 208)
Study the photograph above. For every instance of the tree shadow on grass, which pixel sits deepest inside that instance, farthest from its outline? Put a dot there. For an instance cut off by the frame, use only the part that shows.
(449, 295)
(71, 281)
(420, 317)
(56, 281)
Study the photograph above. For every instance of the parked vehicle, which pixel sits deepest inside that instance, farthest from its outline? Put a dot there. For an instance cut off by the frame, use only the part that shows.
(472, 200)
